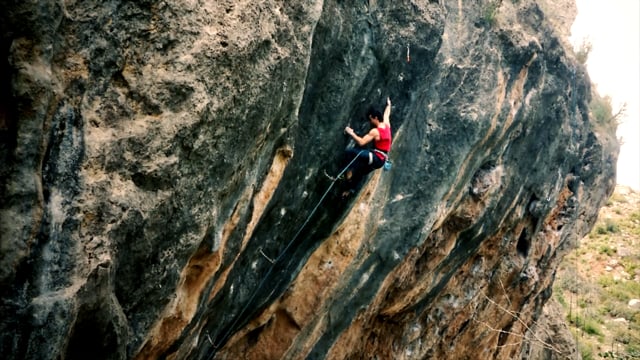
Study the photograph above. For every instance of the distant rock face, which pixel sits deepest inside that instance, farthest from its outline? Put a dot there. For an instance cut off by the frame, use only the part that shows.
(163, 192)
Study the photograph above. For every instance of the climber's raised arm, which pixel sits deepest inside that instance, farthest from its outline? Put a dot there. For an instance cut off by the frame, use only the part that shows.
(386, 118)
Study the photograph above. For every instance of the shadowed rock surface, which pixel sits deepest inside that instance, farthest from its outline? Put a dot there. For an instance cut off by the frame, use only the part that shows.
(163, 188)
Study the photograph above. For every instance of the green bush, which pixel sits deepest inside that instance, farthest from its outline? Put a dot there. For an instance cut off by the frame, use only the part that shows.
(616, 309)
(585, 351)
(582, 52)
(560, 298)
(490, 11)
(624, 336)
(582, 303)
(572, 284)
(612, 227)
(588, 325)
(603, 120)
(606, 281)
(609, 227)
(605, 249)
(612, 355)
(633, 350)
(629, 266)
(601, 110)
(591, 328)
(623, 291)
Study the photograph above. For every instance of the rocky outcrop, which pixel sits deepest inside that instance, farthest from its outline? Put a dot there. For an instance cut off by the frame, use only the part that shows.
(550, 337)
(163, 192)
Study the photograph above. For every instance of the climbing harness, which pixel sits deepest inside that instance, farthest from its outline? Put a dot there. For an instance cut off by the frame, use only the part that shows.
(387, 162)
(384, 154)
(274, 261)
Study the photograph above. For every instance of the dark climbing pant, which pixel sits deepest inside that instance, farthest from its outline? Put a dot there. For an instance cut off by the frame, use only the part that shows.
(361, 167)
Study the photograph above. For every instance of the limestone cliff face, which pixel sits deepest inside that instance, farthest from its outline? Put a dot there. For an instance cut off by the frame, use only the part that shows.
(163, 192)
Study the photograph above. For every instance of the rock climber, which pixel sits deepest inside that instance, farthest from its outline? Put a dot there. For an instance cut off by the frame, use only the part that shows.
(368, 159)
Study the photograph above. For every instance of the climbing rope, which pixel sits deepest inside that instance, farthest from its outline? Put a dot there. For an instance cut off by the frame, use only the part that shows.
(273, 262)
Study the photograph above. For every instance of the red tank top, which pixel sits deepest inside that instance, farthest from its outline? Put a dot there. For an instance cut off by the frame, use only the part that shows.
(384, 143)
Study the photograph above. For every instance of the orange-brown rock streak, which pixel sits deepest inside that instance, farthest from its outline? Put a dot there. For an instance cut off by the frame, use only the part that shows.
(299, 311)
(205, 263)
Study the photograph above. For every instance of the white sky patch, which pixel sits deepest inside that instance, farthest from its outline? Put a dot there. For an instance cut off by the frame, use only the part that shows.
(613, 29)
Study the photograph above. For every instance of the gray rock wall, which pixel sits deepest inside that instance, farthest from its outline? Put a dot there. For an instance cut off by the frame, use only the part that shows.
(163, 191)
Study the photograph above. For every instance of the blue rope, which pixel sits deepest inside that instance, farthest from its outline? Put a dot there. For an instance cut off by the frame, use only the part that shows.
(264, 278)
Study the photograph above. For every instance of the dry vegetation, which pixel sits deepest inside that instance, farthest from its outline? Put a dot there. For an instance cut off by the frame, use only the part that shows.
(598, 284)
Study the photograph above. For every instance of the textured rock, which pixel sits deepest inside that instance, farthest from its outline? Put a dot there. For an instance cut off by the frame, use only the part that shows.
(550, 337)
(163, 191)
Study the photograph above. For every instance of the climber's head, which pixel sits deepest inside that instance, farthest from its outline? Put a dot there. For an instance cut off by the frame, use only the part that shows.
(374, 116)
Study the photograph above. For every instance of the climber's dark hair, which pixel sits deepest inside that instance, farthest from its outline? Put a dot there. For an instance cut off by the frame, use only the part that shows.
(374, 113)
